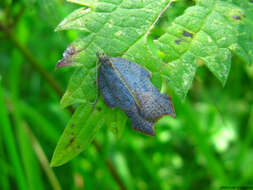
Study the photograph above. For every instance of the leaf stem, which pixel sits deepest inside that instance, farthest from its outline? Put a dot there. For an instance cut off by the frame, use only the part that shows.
(31, 59)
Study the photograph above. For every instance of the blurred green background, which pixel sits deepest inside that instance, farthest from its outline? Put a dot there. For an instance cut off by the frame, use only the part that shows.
(208, 145)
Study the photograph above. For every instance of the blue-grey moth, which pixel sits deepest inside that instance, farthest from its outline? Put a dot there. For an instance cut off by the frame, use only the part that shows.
(126, 85)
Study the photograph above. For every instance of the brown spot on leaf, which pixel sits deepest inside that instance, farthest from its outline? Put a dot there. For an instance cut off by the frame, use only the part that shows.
(99, 108)
(71, 141)
(187, 34)
(73, 125)
(237, 17)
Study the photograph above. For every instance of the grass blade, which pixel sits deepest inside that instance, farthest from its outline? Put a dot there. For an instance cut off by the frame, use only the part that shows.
(43, 159)
(10, 144)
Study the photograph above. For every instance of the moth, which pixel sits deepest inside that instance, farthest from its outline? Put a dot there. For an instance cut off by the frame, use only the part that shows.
(126, 85)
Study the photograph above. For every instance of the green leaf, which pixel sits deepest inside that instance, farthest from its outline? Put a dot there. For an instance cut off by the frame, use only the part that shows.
(79, 133)
(208, 33)
(112, 26)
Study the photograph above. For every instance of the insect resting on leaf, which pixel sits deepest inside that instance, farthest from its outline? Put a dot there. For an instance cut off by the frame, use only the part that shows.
(126, 85)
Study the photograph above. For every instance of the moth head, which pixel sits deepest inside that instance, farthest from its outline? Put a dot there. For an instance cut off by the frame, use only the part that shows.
(103, 59)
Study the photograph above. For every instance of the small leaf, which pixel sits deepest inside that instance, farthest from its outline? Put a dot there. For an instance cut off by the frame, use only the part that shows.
(79, 133)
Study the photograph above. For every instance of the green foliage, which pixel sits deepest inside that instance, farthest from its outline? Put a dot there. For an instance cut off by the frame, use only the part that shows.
(7, 132)
(207, 146)
(207, 33)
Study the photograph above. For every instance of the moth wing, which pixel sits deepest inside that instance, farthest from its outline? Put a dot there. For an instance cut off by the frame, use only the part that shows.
(144, 71)
(139, 123)
(153, 105)
(105, 91)
(125, 66)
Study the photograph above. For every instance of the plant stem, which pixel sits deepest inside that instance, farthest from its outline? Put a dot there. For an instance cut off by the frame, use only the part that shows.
(31, 59)
(17, 17)
(43, 159)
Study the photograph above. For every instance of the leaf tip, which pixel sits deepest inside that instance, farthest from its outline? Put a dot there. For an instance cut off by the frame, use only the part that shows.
(223, 83)
(67, 60)
(64, 100)
(59, 26)
(58, 159)
(57, 29)
(55, 162)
